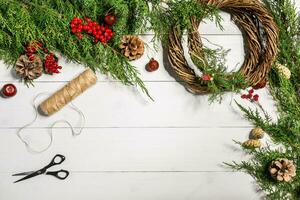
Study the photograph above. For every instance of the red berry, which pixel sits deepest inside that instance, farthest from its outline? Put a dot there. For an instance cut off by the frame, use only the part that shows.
(46, 50)
(251, 91)
(80, 36)
(244, 96)
(256, 97)
(31, 58)
(103, 28)
(9, 90)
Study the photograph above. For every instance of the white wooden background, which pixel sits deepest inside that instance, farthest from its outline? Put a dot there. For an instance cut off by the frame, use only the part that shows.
(131, 148)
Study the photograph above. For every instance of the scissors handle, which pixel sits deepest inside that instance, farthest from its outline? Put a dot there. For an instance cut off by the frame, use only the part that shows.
(61, 174)
(57, 159)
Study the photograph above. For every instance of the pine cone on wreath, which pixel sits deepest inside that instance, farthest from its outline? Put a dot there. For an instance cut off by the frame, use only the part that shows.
(29, 70)
(132, 47)
(282, 169)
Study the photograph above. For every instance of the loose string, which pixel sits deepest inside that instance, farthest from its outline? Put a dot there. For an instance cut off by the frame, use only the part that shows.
(50, 133)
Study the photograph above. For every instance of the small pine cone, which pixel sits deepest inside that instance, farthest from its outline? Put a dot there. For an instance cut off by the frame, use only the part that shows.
(252, 144)
(29, 70)
(257, 133)
(284, 71)
(132, 47)
(282, 169)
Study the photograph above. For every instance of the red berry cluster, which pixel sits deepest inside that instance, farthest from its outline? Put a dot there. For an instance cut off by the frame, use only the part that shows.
(32, 48)
(251, 96)
(51, 65)
(101, 33)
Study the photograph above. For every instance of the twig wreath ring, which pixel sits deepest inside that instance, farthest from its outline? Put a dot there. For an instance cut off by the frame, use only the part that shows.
(260, 35)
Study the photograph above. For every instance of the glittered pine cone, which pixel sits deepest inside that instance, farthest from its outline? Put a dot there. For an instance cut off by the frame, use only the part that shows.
(282, 169)
(29, 70)
(132, 47)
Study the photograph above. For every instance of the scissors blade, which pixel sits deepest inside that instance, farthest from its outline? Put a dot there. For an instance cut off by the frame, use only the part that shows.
(23, 173)
(29, 176)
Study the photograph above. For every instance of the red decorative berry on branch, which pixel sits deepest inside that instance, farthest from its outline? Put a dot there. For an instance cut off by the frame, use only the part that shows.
(255, 97)
(100, 33)
(152, 66)
(51, 65)
(9, 90)
(207, 77)
(250, 96)
(110, 19)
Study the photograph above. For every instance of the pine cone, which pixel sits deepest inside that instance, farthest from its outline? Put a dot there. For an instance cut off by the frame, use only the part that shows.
(284, 71)
(132, 47)
(282, 169)
(29, 70)
(257, 133)
(252, 144)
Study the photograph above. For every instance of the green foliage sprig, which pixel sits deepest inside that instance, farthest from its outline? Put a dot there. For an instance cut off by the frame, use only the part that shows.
(22, 21)
(286, 130)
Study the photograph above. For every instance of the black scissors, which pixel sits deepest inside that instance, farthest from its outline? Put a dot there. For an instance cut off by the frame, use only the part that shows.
(61, 174)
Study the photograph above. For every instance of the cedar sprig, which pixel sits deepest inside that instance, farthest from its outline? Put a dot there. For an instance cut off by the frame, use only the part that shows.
(285, 131)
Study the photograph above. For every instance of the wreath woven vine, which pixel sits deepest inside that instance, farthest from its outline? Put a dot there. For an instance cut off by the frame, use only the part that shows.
(260, 36)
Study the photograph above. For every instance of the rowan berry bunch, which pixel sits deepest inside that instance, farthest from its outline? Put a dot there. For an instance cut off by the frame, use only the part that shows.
(251, 96)
(51, 64)
(36, 48)
(100, 33)
(32, 48)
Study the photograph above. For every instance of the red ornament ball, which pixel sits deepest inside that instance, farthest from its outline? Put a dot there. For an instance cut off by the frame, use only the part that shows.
(256, 97)
(110, 19)
(152, 66)
(9, 90)
(260, 85)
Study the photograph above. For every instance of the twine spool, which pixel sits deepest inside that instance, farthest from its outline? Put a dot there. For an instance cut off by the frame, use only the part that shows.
(69, 92)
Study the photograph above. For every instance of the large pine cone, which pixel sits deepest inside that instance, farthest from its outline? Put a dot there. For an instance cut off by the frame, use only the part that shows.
(29, 70)
(132, 47)
(282, 169)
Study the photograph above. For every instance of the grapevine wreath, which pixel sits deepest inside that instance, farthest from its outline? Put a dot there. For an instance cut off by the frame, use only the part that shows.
(260, 36)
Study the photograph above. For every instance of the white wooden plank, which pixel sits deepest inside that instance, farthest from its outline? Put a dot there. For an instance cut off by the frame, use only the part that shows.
(133, 186)
(127, 149)
(115, 105)
(233, 42)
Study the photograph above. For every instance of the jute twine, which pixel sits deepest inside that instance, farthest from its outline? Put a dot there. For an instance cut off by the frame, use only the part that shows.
(69, 92)
(260, 36)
